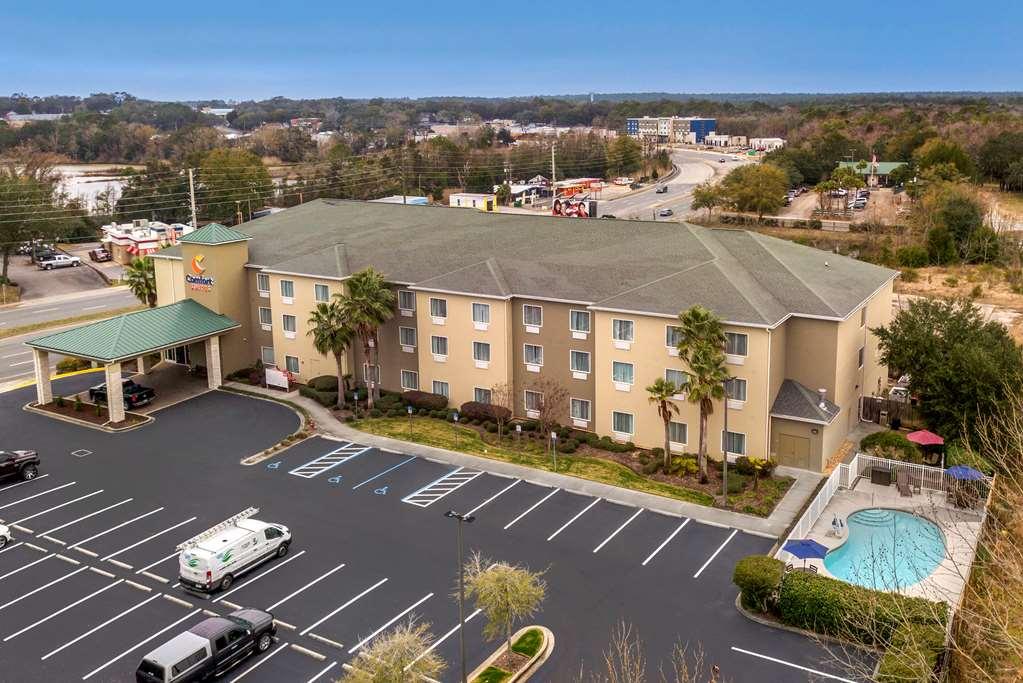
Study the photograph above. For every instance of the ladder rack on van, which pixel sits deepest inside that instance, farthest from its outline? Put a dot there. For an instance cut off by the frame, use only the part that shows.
(217, 528)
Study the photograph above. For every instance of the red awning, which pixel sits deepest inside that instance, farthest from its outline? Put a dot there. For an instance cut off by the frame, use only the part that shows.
(925, 438)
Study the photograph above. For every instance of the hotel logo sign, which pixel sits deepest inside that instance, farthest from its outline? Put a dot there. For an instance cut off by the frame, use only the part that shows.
(197, 280)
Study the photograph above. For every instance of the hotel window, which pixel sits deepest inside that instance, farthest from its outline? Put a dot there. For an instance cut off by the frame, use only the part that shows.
(440, 388)
(407, 336)
(622, 423)
(859, 357)
(678, 432)
(481, 352)
(672, 336)
(622, 372)
(677, 377)
(533, 354)
(288, 290)
(321, 293)
(266, 317)
(736, 389)
(291, 364)
(580, 409)
(733, 443)
(736, 344)
(622, 330)
(534, 400)
(481, 314)
(406, 300)
(438, 308)
(579, 321)
(409, 380)
(439, 346)
(481, 395)
(863, 316)
(371, 373)
(262, 283)
(289, 323)
(579, 360)
(532, 315)
(266, 354)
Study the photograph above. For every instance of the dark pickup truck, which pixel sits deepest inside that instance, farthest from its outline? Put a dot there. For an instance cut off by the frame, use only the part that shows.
(21, 464)
(135, 395)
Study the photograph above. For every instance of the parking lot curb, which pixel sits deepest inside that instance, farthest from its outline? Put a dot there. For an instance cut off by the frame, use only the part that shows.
(812, 635)
(32, 407)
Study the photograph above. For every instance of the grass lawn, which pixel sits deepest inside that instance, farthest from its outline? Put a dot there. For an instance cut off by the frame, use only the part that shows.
(492, 675)
(441, 434)
(761, 502)
(529, 643)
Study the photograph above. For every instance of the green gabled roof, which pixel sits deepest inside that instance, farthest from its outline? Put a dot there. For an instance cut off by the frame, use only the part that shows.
(882, 167)
(214, 233)
(138, 333)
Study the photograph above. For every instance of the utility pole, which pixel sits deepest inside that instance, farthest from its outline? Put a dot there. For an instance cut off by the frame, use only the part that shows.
(554, 174)
(191, 194)
(238, 211)
(404, 199)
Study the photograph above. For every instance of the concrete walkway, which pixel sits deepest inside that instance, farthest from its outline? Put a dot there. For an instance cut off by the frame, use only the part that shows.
(771, 527)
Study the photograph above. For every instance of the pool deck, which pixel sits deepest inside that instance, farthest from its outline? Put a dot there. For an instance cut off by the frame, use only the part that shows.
(960, 527)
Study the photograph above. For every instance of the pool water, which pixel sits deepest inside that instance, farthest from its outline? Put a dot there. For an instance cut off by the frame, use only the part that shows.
(887, 549)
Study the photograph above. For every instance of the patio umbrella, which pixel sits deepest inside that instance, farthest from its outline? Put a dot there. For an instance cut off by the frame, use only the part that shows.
(964, 473)
(805, 548)
(925, 438)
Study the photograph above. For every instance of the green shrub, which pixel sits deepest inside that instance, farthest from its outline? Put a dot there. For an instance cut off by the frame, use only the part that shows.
(529, 642)
(977, 291)
(605, 443)
(913, 654)
(653, 453)
(394, 412)
(58, 401)
(376, 412)
(912, 257)
(78, 404)
(530, 426)
(568, 446)
(324, 398)
(650, 467)
(950, 281)
(737, 483)
(484, 411)
(490, 427)
(71, 365)
(99, 410)
(684, 466)
(424, 399)
(815, 224)
(759, 578)
(323, 383)
(888, 443)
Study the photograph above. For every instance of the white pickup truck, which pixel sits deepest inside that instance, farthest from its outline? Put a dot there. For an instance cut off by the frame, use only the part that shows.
(58, 261)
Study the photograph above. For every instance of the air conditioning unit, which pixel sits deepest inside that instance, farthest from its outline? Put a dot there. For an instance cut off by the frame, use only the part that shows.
(882, 419)
(140, 223)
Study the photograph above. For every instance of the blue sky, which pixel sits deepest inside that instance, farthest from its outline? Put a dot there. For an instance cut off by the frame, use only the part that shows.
(192, 50)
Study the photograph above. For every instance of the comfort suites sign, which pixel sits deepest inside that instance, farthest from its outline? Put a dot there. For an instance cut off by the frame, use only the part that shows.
(197, 279)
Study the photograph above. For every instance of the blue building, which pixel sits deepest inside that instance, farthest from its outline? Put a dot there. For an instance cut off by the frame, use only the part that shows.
(670, 129)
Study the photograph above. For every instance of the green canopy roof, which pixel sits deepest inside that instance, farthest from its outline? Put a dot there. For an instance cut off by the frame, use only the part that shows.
(214, 233)
(883, 167)
(136, 334)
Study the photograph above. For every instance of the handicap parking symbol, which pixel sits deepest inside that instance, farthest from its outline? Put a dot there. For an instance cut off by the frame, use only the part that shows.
(382, 491)
(273, 465)
(335, 479)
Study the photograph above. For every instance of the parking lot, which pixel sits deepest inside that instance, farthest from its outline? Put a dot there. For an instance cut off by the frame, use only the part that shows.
(90, 584)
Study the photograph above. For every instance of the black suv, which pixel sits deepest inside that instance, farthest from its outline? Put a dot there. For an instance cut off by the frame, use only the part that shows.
(22, 464)
(135, 395)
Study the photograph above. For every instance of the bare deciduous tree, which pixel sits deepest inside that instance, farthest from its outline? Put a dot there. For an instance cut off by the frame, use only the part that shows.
(625, 662)
(553, 404)
(503, 396)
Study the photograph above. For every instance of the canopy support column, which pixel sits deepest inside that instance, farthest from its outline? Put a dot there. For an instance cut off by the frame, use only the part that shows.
(115, 392)
(214, 377)
(44, 388)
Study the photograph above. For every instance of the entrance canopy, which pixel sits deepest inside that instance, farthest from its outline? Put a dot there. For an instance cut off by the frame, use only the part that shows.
(137, 334)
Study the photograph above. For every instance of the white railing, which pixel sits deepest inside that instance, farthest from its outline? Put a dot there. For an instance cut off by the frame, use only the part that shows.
(926, 476)
(840, 478)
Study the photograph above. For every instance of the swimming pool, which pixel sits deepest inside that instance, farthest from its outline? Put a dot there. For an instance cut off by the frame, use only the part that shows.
(887, 549)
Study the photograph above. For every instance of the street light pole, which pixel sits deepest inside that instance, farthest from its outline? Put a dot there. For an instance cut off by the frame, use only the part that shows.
(451, 514)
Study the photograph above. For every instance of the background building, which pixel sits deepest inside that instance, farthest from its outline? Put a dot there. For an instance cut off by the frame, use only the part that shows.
(670, 129)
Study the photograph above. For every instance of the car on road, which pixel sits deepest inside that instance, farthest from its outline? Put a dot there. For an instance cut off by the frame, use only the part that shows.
(635, 186)
(58, 261)
(661, 189)
(21, 464)
(722, 160)
(213, 559)
(210, 648)
(100, 255)
(5, 536)
(664, 213)
(135, 395)
(609, 215)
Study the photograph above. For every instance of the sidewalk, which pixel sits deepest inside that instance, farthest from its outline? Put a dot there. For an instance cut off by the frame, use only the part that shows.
(771, 527)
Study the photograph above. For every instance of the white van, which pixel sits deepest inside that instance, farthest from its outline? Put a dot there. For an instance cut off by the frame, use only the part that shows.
(216, 557)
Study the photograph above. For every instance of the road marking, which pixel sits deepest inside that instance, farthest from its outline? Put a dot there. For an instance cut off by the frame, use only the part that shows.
(82, 519)
(54, 540)
(57, 507)
(257, 578)
(92, 308)
(150, 566)
(122, 565)
(615, 533)
(114, 528)
(352, 600)
(96, 628)
(43, 587)
(308, 585)
(377, 476)
(155, 577)
(138, 645)
(22, 528)
(33, 562)
(36, 495)
(101, 572)
(327, 461)
(438, 488)
(85, 551)
(146, 540)
(441, 640)
(665, 542)
(15, 355)
(63, 609)
(578, 515)
(138, 586)
(388, 624)
(327, 641)
(69, 560)
(320, 675)
(259, 663)
(10, 547)
(794, 666)
(24, 362)
(231, 605)
(308, 653)
(493, 497)
(46, 310)
(711, 558)
(22, 483)
(531, 508)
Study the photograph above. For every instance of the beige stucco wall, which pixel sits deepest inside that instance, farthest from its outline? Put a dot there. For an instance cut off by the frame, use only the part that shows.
(804, 430)
(258, 337)
(391, 357)
(170, 281)
(311, 363)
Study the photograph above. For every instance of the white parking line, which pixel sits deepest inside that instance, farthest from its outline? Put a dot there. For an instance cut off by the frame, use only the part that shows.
(711, 558)
(138, 645)
(615, 532)
(149, 538)
(24, 362)
(349, 602)
(42, 493)
(441, 639)
(328, 461)
(15, 355)
(665, 542)
(85, 517)
(10, 547)
(162, 559)
(43, 587)
(488, 500)
(437, 489)
(264, 660)
(257, 578)
(580, 514)
(63, 609)
(22, 483)
(305, 587)
(113, 528)
(15, 571)
(320, 675)
(815, 672)
(531, 508)
(377, 476)
(92, 308)
(96, 628)
(388, 624)
(57, 507)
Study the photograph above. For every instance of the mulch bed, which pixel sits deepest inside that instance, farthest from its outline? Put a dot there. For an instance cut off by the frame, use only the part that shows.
(88, 414)
(510, 661)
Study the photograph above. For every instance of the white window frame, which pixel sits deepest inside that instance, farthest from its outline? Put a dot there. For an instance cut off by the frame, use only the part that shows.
(580, 374)
(316, 291)
(738, 403)
(621, 434)
(289, 334)
(577, 333)
(533, 328)
(476, 395)
(861, 357)
(438, 319)
(447, 388)
(262, 355)
(482, 325)
(298, 365)
(284, 297)
(863, 317)
(577, 420)
(736, 358)
(532, 412)
(437, 356)
(406, 347)
(680, 444)
(405, 310)
(681, 387)
(410, 373)
(260, 279)
(620, 385)
(672, 348)
(480, 363)
(526, 360)
(621, 342)
(732, 454)
(269, 323)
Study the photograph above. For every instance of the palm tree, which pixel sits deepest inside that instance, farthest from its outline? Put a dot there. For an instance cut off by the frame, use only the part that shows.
(141, 278)
(702, 348)
(331, 335)
(366, 305)
(661, 393)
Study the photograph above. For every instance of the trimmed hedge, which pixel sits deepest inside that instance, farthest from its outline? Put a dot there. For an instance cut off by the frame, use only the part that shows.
(881, 442)
(913, 655)
(72, 364)
(328, 399)
(323, 383)
(425, 400)
(759, 578)
(473, 410)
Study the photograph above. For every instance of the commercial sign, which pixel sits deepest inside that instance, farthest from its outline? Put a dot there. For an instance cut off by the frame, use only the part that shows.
(197, 280)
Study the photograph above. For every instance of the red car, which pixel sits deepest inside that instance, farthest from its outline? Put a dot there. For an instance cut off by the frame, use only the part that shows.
(100, 255)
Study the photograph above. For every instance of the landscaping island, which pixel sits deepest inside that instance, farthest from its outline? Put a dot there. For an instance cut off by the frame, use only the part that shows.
(530, 647)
